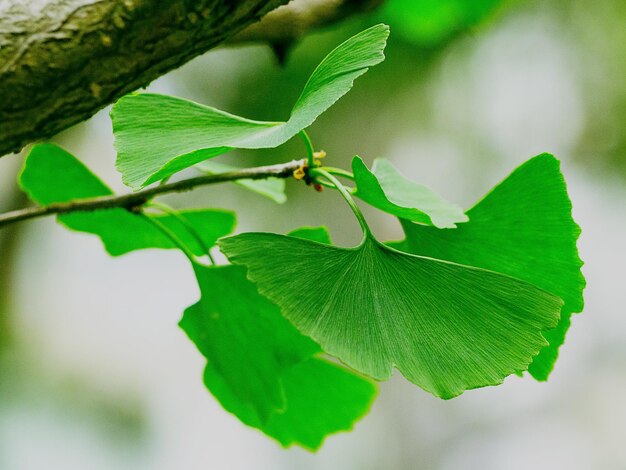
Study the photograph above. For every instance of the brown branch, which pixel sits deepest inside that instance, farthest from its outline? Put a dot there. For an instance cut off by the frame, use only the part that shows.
(133, 201)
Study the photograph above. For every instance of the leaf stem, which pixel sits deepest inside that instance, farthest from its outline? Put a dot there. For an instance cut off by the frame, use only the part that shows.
(140, 198)
(325, 183)
(339, 172)
(172, 236)
(310, 150)
(328, 184)
(346, 195)
(184, 221)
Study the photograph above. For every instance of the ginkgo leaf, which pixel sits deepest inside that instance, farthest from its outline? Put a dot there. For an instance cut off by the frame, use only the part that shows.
(138, 233)
(263, 370)
(244, 337)
(445, 326)
(51, 174)
(322, 399)
(430, 23)
(523, 228)
(315, 234)
(157, 136)
(386, 189)
(272, 188)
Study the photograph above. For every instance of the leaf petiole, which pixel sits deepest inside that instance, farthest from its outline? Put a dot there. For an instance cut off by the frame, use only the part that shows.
(325, 183)
(172, 236)
(339, 172)
(328, 184)
(345, 193)
(185, 223)
(310, 150)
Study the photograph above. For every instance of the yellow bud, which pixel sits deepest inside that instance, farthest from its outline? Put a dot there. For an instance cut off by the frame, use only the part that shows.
(299, 173)
(317, 157)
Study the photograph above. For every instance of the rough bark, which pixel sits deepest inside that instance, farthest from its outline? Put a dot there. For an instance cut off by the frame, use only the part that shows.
(290, 23)
(63, 60)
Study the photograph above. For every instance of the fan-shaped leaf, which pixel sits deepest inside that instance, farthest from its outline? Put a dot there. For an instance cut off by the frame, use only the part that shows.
(446, 327)
(315, 234)
(263, 370)
(52, 175)
(157, 136)
(386, 189)
(321, 399)
(523, 228)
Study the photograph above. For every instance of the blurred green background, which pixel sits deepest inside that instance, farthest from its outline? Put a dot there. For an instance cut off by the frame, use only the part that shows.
(94, 372)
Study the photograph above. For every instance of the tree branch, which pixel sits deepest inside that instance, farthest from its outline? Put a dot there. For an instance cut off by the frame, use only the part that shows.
(289, 23)
(63, 60)
(135, 200)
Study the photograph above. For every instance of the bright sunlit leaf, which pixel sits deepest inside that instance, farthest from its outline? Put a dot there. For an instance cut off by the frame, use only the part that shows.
(386, 189)
(157, 136)
(446, 327)
(52, 175)
(523, 228)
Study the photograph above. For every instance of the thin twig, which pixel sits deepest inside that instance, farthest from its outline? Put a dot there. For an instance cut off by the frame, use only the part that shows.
(133, 201)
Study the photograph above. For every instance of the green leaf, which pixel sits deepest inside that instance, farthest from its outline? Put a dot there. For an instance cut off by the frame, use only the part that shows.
(523, 228)
(446, 327)
(51, 174)
(429, 23)
(157, 136)
(272, 188)
(322, 398)
(315, 234)
(386, 189)
(263, 370)
(244, 337)
(122, 232)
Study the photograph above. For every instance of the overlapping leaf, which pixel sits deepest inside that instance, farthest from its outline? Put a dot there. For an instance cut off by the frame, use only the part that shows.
(272, 188)
(244, 337)
(445, 326)
(323, 398)
(259, 366)
(157, 136)
(314, 234)
(263, 370)
(523, 228)
(386, 189)
(52, 175)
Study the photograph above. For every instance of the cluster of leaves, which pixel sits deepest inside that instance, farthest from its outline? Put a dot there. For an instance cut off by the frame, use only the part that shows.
(466, 299)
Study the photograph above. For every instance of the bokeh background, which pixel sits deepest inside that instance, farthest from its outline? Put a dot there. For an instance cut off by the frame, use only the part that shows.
(95, 374)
